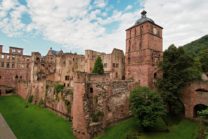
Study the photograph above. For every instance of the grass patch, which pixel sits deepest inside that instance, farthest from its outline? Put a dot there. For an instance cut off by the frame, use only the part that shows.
(119, 130)
(33, 122)
(183, 129)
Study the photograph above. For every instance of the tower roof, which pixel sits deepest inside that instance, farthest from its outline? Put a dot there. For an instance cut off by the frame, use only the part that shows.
(143, 19)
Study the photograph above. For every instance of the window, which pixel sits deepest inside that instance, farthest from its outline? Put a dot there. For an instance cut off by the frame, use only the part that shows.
(66, 78)
(7, 65)
(2, 56)
(2, 64)
(114, 65)
(13, 57)
(91, 90)
(13, 65)
(0, 77)
(16, 77)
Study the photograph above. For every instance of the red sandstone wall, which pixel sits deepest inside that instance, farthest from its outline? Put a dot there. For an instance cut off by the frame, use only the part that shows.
(23, 89)
(191, 97)
(79, 122)
(8, 76)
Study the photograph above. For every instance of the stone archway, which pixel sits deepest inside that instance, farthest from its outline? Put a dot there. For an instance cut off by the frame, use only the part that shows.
(194, 96)
(197, 108)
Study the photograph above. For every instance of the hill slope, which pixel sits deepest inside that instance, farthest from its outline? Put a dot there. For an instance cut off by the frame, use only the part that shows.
(196, 47)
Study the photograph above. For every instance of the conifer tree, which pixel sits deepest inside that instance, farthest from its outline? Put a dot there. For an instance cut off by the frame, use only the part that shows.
(98, 67)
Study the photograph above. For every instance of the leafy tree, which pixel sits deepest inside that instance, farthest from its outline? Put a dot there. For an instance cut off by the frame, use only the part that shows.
(178, 69)
(98, 67)
(203, 113)
(204, 60)
(147, 106)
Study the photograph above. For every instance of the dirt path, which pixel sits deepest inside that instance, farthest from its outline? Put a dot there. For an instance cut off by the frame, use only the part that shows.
(5, 131)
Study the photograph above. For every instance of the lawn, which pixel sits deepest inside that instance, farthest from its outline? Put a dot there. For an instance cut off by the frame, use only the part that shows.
(33, 122)
(183, 129)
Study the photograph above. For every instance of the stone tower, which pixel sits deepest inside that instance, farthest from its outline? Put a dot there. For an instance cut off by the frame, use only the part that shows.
(143, 50)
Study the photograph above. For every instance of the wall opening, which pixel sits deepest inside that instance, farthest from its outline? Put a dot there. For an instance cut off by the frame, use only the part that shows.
(91, 90)
(201, 90)
(197, 108)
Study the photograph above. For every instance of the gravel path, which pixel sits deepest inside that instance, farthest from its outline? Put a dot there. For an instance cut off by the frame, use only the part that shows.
(5, 131)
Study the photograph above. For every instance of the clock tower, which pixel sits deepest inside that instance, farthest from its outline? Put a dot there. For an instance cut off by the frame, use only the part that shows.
(143, 50)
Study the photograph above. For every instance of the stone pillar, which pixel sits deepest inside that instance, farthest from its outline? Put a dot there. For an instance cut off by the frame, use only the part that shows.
(79, 122)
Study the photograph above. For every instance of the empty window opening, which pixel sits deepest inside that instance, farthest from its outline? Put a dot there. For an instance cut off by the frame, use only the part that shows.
(91, 90)
(66, 78)
(7, 65)
(16, 77)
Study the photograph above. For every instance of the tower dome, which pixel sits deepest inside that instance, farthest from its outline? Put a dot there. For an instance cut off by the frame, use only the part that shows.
(143, 18)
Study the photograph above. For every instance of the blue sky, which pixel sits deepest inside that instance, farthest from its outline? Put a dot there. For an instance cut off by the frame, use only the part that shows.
(37, 25)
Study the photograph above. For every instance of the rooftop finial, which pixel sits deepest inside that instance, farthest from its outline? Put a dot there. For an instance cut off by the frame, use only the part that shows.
(143, 13)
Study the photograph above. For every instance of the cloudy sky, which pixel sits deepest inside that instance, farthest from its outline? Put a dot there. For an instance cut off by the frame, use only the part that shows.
(76, 25)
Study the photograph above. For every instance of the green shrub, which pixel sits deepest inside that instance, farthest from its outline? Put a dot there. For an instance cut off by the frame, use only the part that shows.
(59, 88)
(147, 106)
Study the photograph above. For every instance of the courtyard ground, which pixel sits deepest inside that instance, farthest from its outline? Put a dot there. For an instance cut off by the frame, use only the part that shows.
(33, 122)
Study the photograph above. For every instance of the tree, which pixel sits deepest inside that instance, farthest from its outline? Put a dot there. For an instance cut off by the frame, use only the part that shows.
(98, 67)
(147, 106)
(204, 60)
(178, 69)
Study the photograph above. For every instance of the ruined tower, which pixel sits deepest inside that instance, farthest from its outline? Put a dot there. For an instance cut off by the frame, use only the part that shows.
(143, 50)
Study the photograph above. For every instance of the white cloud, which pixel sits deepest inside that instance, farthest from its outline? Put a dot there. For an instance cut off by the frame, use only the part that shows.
(183, 21)
(100, 3)
(71, 24)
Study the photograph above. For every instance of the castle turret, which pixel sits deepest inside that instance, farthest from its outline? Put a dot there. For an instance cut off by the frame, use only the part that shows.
(143, 50)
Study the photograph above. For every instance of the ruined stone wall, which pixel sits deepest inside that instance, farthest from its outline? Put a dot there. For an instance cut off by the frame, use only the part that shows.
(113, 63)
(38, 90)
(14, 67)
(23, 89)
(60, 102)
(98, 103)
(193, 94)
(66, 65)
(10, 77)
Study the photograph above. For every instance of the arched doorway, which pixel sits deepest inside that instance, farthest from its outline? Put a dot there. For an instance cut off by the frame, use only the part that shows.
(197, 108)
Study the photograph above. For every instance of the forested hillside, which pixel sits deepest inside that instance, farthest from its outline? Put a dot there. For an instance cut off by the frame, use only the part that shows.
(198, 50)
(194, 48)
